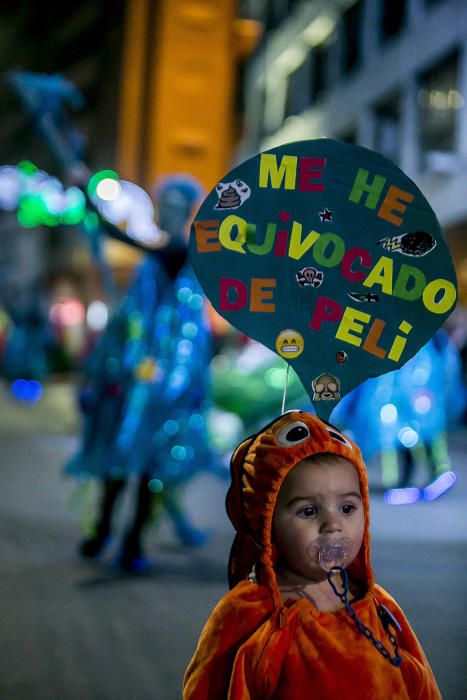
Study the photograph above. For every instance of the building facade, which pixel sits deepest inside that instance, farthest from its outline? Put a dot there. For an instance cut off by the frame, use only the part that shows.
(390, 75)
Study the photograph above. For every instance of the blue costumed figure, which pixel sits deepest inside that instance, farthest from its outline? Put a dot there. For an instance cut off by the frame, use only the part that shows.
(30, 343)
(145, 400)
(411, 411)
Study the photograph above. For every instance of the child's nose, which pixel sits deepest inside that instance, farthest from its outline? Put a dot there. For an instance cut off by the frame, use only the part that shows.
(331, 523)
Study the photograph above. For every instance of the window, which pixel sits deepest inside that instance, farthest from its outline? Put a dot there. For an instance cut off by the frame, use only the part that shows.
(393, 14)
(387, 136)
(351, 37)
(349, 136)
(276, 11)
(297, 96)
(319, 66)
(439, 101)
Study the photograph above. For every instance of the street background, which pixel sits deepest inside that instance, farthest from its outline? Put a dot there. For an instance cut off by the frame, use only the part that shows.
(119, 94)
(73, 630)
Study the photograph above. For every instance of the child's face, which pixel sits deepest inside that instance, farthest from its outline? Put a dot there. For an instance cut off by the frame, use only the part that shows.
(317, 500)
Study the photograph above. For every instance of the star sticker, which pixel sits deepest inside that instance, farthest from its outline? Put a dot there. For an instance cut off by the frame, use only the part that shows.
(326, 215)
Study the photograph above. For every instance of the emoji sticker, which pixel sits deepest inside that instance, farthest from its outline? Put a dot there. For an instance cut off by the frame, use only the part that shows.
(232, 194)
(341, 357)
(416, 243)
(309, 277)
(289, 344)
(326, 387)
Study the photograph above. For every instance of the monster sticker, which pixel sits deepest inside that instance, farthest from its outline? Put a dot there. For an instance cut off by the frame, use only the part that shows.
(232, 194)
(309, 277)
(416, 243)
(302, 259)
(289, 343)
(326, 387)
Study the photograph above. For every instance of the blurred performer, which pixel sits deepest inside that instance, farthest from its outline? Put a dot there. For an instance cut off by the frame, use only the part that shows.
(147, 380)
(434, 403)
(412, 410)
(29, 343)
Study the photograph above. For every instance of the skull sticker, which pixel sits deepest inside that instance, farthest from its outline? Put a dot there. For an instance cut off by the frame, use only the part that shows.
(326, 387)
(309, 277)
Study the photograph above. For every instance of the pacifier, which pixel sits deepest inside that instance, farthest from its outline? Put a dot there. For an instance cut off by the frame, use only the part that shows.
(332, 553)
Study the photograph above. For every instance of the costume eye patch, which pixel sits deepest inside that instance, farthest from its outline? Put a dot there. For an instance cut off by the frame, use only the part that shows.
(337, 436)
(293, 434)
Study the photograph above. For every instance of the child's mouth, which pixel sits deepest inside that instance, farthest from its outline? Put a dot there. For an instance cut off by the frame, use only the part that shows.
(332, 552)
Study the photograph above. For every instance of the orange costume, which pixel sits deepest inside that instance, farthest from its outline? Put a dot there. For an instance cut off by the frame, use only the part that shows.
(254, 645)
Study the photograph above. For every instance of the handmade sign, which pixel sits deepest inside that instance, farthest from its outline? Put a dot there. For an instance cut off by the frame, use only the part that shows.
(328, 254)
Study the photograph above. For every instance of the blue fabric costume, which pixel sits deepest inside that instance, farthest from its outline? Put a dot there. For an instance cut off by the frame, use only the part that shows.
(410, 407)
(30, 342)
(148, 423)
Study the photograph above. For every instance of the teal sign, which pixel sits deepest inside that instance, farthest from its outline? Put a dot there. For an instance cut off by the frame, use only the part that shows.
(328, 254)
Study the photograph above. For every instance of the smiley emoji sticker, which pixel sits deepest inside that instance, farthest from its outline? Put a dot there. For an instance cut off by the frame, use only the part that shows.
(289, 344)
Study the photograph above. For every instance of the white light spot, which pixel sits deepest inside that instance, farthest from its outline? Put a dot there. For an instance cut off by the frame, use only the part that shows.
(408, 437)
(108, 189)
(97, 315)
(422, 404)
(388, 413)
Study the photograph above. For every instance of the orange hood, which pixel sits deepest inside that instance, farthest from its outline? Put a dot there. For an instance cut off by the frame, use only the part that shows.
(258, 467)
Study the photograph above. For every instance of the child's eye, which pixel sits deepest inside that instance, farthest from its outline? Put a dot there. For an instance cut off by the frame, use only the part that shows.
(348, 508)
(308, 512)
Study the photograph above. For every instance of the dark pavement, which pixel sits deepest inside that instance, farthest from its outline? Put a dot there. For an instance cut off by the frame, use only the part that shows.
(77, 631)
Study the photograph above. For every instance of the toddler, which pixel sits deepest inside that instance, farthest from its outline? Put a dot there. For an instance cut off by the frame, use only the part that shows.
(304, 618)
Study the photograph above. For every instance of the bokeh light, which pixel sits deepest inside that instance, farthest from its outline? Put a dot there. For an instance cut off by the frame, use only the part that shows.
(27, 390)
(388, 413)
(67, 313)
(108, 189)
(156, 486)
(439, 486)
(97, 315)
(178, 452)
(422, 404)
(408, 436)
(402, 497)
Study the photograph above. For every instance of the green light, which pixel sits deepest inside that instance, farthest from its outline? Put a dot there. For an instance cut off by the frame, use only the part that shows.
(26, 219)
(27, 167)
(49, 220)
(135, 325)
(32, 211)
(72, 217)
(95, 179)
(75, 211)
(156, 486)
(275, 377)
